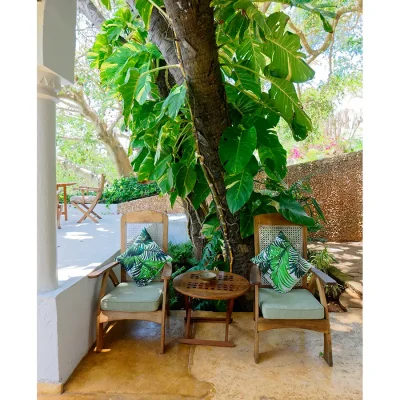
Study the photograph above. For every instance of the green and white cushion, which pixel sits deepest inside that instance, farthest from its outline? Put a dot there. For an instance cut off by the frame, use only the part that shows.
(281, 264)
(144, 259)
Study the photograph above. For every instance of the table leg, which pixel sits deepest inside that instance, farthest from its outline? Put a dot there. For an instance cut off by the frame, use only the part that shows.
(207, 342)
(188, 304)
(65, 203)
(228, 317)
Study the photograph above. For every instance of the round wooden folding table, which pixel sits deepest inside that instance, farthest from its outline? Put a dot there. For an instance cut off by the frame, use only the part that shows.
(227, 286)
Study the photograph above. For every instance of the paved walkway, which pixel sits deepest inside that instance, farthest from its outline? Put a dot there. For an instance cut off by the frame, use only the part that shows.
(349, 258)
(130, 367)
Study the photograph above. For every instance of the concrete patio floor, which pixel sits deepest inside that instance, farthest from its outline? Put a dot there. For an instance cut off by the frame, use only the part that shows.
(290, 364)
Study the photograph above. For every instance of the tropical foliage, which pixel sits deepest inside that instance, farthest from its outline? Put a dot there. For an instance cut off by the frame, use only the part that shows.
(263, 65)
(260, 62)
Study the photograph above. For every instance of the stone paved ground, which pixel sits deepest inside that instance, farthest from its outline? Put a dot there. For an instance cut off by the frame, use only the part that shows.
(290, 368)
(349, 258)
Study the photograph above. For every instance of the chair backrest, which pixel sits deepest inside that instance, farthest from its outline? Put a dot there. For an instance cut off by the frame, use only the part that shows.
(132, 224)
(268, 226)
(102, 180)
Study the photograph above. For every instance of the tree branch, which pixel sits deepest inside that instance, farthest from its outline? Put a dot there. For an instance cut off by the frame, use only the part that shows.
(314, 53)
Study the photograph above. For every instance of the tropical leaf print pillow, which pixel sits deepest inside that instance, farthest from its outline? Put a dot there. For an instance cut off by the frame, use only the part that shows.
(281, 264)
(144, 259)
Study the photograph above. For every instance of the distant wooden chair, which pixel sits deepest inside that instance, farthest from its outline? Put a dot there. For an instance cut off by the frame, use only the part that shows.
(58, 208)
(81, 201)
(297, 308)
(126, 300)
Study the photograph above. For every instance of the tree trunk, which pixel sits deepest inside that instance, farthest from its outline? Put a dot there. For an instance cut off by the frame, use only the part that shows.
(90, 11)
(113, 146)
(193, 23)
(117, 154)
(195, 220)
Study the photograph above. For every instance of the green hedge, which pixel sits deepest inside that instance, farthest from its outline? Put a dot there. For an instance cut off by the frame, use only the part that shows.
(127, 189)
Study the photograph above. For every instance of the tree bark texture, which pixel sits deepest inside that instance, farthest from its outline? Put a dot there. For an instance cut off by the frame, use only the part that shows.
(193, 23)
(195, 220)
(90, 11)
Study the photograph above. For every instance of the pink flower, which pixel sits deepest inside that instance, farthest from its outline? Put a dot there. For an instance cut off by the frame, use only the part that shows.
(295, 153)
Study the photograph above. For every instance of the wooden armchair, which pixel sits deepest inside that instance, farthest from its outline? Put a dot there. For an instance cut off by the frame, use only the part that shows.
(81, 201)
(127, 300)
(297, 308)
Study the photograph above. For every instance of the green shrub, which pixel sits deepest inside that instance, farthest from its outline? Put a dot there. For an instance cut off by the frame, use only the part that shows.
(127, 189)
(182, 259)
(323, 260)
(182, 255)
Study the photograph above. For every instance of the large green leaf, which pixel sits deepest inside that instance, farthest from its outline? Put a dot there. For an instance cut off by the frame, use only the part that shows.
(127, 92)
(143, 87)
(246, 223)
(201, 189)
(137, 161)
(293, 211)
(251, 12)
(146, 167)
(282, 48)
(166, 181)
(245, 80)
(271, 152)
(174, 101)
(185, 179)
(240, 186)
(144, 8)
(99, 52)
(236, 148)
(285, 99)
(210, 225)
(250, 50)
(161, 166)
(118, 62)
(106, 4)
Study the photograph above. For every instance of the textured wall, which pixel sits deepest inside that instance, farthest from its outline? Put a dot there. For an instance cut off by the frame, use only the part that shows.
(337, 186)
(154, 203)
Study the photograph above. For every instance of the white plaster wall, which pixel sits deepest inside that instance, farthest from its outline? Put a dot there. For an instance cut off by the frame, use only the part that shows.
(56, 47)
(76, 316)
(177, 228)
(47, 340)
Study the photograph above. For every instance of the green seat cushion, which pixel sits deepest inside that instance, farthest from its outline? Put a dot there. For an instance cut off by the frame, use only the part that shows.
(281, 264)
(127, 296)
(143, 260)
(297, 304)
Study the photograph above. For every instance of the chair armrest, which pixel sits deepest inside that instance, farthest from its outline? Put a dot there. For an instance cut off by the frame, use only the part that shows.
(255, 276)
(325, 279)
(97, 272)
(167, 271)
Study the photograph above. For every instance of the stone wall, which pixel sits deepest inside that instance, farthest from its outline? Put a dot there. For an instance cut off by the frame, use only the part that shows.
(337, 186)
(154, 203)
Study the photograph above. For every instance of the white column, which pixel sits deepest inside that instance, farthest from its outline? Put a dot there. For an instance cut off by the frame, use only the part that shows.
(48, 86)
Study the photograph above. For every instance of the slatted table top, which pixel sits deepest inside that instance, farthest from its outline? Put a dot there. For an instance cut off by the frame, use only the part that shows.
(227, 285)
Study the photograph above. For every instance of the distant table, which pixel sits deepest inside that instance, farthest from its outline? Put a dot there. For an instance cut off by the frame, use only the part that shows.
(64, 186)
(227, 286)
